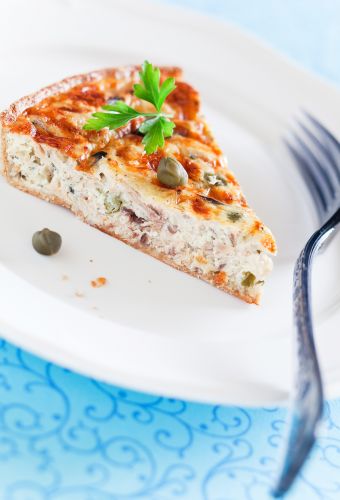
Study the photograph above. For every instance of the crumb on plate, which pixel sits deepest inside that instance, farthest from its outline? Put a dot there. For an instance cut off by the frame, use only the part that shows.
(98, 282)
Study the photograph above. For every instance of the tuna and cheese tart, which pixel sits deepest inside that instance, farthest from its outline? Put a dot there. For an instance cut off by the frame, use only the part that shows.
(203, 227)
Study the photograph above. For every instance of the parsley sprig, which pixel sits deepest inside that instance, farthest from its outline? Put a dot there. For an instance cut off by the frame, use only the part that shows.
(156, 126)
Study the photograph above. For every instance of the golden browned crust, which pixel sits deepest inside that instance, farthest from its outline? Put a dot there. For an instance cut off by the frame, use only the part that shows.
(10, 114)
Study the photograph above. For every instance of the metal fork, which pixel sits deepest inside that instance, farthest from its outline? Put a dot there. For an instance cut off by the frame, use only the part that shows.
(317, 154)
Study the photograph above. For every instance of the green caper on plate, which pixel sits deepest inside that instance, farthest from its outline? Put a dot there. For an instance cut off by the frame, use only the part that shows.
(46, 242)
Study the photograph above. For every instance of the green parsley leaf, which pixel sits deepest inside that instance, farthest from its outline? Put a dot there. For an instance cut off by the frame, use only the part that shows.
(166, 88)
(120, 115)
(151, 91)
(156, 126)
(155, 130)
(111, 120)
(121, 107)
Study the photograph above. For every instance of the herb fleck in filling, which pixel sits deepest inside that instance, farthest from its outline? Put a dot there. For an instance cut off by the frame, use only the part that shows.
(249, 279)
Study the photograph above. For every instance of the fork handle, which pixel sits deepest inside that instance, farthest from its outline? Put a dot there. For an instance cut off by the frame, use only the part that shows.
(307, 401)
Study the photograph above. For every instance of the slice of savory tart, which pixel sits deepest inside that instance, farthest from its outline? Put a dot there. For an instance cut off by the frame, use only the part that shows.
(153, 178)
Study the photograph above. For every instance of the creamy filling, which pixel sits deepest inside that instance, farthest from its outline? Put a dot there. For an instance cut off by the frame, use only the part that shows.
(104, 198)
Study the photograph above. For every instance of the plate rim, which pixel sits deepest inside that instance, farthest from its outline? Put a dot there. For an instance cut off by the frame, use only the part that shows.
(257, 45)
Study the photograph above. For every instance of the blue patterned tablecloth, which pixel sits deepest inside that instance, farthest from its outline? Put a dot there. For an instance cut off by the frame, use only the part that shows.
(67, 437)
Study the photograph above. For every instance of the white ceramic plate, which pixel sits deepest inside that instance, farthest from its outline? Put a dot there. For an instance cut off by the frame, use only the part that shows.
(151, 327)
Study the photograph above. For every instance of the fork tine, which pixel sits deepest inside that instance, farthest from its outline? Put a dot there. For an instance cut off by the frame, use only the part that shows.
(330, 162)
(332, 142)
(322, 129)
(316, 169)
(310, 181)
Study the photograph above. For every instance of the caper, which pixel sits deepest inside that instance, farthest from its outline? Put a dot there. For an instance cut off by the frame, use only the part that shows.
(46, 242)
(171, 173)
(234, 216)
(249, 279)
(214, 179)
(112, 203)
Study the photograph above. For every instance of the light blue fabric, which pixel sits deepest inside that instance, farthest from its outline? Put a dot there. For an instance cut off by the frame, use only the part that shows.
(308, 31)
(67, 437)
